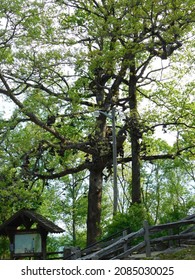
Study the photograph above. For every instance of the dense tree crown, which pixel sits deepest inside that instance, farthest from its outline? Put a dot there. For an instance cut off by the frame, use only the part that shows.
(61, 62)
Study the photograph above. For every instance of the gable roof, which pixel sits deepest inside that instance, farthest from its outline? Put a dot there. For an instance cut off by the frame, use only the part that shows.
(28, 218)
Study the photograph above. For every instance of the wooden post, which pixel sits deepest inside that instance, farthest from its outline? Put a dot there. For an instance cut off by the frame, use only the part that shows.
(170, 232)
(66, 252)
(125, 245)
(11, 238)
(44, 244)
(147, 239)
(77, 253)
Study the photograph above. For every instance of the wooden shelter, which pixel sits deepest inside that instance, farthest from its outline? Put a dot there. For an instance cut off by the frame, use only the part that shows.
(27, 232)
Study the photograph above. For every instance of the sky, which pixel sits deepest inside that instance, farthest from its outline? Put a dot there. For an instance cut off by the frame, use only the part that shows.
(6, 108)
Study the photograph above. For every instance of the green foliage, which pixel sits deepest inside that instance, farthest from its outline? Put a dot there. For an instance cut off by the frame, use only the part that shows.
(132, 220)
(56, 59)
(74, 208)
(56, 244)
(4, 248)
(16, 194)
(168, 190)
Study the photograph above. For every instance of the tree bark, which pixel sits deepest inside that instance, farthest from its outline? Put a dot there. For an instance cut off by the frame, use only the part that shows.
(136, 182)
(135, 135)
(94, 205)
(96, 182)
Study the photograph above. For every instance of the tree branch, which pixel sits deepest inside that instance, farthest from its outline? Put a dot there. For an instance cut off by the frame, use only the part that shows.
(73, 170)
(32, 116)
(157, 157)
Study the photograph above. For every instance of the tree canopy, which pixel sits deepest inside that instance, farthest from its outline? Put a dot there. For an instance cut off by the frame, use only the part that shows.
(62, 61)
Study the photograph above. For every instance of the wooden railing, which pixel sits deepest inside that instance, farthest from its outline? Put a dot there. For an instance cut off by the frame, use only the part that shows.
(127, 244)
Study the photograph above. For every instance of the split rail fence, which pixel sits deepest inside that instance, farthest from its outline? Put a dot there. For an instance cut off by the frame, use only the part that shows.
(145, 240)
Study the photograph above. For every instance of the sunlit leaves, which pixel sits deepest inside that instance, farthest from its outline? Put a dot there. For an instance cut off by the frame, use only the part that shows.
(64, 60)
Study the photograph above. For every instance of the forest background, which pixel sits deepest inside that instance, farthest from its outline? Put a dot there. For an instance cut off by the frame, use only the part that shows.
(61, 62)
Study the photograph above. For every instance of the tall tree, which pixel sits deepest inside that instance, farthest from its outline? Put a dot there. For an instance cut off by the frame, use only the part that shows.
(71, 58)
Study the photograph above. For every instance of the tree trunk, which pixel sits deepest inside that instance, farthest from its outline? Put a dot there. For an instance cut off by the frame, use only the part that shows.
(136, 183)
(94, 206)
(135, 150)
(95, 184)
(135, 136)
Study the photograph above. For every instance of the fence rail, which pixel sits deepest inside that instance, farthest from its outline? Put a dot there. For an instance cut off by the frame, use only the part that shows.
(125, 245)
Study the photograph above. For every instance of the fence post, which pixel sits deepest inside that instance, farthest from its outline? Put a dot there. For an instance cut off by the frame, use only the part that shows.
(66, 252)
(125, 245)
(76, 253)
(71, 252)
(170, 232)
(147, 239)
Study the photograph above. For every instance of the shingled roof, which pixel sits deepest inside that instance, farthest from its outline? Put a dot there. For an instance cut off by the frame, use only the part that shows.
(28, 218)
